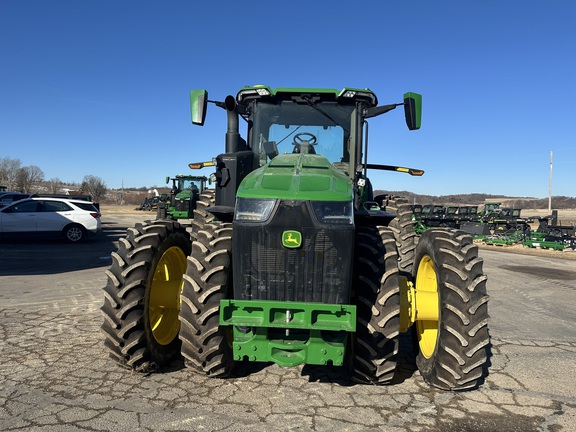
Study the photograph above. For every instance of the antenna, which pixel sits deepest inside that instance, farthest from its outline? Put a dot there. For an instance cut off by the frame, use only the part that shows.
(550, 187)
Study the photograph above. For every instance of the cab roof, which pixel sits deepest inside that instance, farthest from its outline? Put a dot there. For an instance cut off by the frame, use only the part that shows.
(346, 95)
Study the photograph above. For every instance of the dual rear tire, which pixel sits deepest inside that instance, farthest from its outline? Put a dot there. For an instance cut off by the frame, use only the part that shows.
(162, 298)
(453, 349)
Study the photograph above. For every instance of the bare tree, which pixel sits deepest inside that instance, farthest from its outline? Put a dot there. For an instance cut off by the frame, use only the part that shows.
(28, 176)
(94, 186)
(54, 185)
(9, 169)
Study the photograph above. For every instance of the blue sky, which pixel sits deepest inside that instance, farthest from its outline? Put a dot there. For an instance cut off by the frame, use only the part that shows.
(102, 87)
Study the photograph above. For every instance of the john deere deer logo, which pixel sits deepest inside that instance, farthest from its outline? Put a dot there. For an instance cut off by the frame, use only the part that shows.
(291, 239)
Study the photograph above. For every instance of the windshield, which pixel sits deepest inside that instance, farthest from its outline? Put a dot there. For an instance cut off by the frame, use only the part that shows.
(190, 184)
(288, 127)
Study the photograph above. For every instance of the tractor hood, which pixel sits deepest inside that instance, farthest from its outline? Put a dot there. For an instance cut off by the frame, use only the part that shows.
(184, 194)
(306, 177)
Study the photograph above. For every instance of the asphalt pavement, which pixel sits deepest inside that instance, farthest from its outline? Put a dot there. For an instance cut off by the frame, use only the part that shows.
(55, 374)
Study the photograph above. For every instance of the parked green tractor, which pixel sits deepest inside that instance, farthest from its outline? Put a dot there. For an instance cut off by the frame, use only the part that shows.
(187, 193)
(296, 262)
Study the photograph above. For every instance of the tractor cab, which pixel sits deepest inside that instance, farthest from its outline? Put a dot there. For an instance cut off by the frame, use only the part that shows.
(320, 135)
(184, 194)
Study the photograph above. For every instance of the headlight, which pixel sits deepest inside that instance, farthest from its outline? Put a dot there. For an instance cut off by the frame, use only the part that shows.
(334, 212)
(253, 210)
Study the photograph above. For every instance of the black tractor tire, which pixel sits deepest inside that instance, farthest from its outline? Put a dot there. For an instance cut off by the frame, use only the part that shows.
(161, 212)
(206, 346)
(142, 295)
(201, 216)
(377, 298)
(403, 227)
(454, 351)
(206, 199)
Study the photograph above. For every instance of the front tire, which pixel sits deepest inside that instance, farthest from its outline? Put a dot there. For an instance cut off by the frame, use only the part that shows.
(377, 299)
(142, 295)
(454, 350)
(206, 346)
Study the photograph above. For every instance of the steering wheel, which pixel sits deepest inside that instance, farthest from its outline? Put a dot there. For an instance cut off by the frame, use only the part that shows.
(298, 138)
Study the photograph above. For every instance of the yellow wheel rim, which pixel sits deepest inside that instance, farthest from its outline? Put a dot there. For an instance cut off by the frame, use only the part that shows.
(426, 282)
(164, 306)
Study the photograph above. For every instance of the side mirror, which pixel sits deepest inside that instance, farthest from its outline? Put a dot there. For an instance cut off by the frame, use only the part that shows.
(413, 110)
(167, 179)
(198, 103)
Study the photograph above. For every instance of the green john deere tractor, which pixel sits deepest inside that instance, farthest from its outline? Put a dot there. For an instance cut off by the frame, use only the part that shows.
(187, 193)
(296, 262)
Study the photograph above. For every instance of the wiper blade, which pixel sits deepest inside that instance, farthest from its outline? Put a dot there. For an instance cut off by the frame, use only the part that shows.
(324, 113)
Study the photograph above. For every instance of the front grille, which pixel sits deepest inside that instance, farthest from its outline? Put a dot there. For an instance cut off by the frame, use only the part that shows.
(182, 205)
(318, 271)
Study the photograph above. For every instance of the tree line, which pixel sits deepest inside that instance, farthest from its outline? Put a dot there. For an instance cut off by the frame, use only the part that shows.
(558, 202)
(30, 179)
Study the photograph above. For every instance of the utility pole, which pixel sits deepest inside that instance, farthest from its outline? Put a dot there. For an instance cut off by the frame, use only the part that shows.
(550, 187)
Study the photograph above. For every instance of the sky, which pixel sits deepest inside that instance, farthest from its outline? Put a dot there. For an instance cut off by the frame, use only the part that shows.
(102, 87)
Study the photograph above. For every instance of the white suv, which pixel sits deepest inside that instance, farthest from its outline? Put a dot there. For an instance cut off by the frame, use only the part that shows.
(70, 218)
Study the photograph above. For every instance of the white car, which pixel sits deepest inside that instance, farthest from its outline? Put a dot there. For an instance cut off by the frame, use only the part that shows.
(73, 219)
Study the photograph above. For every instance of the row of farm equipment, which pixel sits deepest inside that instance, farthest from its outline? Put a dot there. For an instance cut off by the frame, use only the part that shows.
(495, 225)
